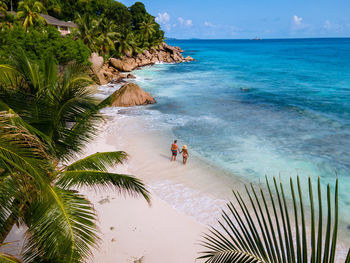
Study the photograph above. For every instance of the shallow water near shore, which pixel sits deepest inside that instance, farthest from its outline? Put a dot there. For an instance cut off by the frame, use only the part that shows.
(250, 109)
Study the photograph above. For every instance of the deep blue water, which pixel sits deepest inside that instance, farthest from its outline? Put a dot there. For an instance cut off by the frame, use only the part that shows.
(256, 108)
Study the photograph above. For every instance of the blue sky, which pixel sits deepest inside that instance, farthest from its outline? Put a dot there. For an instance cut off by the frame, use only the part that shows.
(251, 18)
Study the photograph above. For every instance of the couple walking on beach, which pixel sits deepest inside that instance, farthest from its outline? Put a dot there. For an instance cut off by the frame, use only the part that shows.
(174, 149)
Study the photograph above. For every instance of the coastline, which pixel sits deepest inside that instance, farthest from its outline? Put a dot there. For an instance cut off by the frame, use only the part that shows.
(205, 187)
(184, 199)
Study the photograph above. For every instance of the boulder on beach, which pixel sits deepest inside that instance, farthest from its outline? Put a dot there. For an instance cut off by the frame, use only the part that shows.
(124, 64)
(131, 94)
(96, 66)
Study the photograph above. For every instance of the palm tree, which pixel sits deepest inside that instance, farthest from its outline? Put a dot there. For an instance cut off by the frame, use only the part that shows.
(107, 35)
(3, 7)
(147, 29)
(87, 31)
(267, 233)
(46, 120)
(126, 43)
(29, 11)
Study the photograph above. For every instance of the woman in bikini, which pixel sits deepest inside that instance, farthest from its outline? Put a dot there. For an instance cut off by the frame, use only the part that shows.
(184, 154)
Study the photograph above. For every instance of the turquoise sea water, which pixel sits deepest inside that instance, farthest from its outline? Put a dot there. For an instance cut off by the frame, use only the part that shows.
(256, 108)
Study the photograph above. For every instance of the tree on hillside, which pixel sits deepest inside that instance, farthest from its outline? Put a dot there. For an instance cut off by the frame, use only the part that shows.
(120, 15)
(3, 7)
(126, 43)
(41, 42)
(29, 11)
(53, 7)
(87, 31)
(147, 29)
(106, 36)
(46, 120)
(138, 14)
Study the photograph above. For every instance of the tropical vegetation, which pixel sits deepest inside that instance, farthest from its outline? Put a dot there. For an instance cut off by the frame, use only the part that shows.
(103, 26)
(267, 227)
(46, 119)
(29, 11)
(38, 45)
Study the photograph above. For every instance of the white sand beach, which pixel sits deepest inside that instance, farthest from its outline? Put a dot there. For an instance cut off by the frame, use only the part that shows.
(131, 229)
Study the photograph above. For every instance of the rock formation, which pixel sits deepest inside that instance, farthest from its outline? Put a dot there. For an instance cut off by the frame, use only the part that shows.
(131, 94)
(96, 66)
(109, 72)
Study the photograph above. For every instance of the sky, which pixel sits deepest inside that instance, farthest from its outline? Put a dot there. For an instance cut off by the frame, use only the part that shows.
(242, 19)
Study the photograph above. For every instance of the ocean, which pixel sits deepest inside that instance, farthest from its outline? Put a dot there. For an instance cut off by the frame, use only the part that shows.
(258, 108)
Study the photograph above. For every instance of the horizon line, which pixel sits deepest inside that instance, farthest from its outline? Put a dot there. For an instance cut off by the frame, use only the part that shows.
(278, 38)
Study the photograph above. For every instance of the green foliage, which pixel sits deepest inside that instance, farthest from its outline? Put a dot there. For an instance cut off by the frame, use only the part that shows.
(272, 230)
(40, 43)
(3, 7)
(138, 14)
(105, 26)
(46, 119)
(29, 12)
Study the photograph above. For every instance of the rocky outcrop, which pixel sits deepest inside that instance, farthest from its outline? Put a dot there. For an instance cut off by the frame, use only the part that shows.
(96, 66)
(131, 94)
(124, 64)
(164, 53)
(188, 59)
(110, 71)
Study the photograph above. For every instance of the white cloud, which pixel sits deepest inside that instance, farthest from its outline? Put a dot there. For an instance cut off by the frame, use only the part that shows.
(163, 19)
(208, 24)
(327, 24)
(298, 25)
(188, 22)
(184, 22)
(297, 20)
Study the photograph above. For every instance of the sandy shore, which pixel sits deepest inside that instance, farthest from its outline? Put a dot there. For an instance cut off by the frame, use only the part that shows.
(130, 228)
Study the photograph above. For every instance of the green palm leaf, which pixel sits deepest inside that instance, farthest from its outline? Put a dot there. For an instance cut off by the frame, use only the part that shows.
(98, 161)
(268, 233)
(6, 258)
(62, 228)
(23, 152)
(121, 182)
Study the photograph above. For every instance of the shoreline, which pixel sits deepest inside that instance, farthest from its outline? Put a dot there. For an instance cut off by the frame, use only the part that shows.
(184, 198)
(129, 228)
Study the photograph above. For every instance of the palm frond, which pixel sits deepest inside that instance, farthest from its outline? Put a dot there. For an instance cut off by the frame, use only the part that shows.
(120, 182)
(10, 193)
(99, 161)
(267, 232)
(23, 151)
(61, 228)
(7, 258)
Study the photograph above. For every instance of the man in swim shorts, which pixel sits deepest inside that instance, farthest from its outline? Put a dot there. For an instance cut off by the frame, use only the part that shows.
(174, 148)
